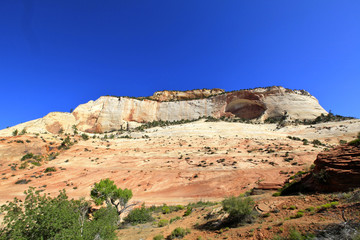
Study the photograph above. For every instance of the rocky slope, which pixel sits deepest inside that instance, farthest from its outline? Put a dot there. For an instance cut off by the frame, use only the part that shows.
(174, 164)
(113, 113)
(336, 170)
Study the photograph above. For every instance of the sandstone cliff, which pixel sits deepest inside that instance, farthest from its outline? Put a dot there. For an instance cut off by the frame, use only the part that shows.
(113, 113)
(337, 170)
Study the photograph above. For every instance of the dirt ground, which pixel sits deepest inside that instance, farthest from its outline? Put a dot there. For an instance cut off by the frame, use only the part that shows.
(177, 164)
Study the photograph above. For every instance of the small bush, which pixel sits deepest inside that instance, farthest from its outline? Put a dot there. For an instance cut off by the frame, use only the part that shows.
(139, 215)
(179, 207)
(175, 219)
(85, 136)
(310, 209)
(317, 142)
(342, 142)
(179, 232)
(239, 208)
(163, 222)
(22, 181)
(50, 169)
(15, 132)
(188, 211)
(299, 214)
(159, 237)
(165, 209)
(27, 156)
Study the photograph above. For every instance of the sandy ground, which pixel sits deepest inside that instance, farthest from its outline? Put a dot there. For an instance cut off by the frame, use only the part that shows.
(175, 164)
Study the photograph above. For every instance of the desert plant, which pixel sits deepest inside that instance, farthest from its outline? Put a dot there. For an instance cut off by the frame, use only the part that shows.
(239, 208)
(163, 222)
(66, 143)
(15, 132)
(50, 169)
(84, 136)
(188, 211)
(165, 209)
(138, 216)
(75, 129)
(159, 237)
(175, 219)
(179, 232)
(27, 156)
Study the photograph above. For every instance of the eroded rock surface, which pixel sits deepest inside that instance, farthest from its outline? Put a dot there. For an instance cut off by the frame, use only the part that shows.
(115, 113)
(335, 170)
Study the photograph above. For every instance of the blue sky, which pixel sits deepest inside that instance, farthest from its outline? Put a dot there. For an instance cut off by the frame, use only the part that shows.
(55, 55)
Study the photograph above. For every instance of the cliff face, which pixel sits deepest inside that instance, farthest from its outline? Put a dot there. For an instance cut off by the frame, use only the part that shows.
(113, 113)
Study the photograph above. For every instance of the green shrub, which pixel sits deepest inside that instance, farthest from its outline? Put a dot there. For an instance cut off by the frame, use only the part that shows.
(85, 136)
(60, 218)
(179, 207)
(188, 211)
(175, 219)
(15, 132)
(159, 237)
(299, 214)
(163, 222)
(310, 209)
(179, 232)
(27, 156)
(342, 142)
(316, 142)
(50, 169)
(75, 129)
(239, 208)
(139, 215)
(22, 181)
(165, 209)
(66, 143)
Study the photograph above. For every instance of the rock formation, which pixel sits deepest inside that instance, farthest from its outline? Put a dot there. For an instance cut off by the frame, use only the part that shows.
(335, 170)
(110, 113)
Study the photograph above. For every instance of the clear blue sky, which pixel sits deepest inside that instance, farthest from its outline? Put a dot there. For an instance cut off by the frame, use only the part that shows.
(55, 55)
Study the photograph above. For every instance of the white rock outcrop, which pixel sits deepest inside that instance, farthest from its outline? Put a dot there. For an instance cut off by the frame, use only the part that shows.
(113, 113)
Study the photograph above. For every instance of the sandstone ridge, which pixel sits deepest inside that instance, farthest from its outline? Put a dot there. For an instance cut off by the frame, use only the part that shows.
(110, 113)
(336, 170)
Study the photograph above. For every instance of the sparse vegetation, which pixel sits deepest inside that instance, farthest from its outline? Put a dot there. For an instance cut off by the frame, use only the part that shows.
(240, 209)
(85, 136)
(188, 211)
(179, 232)
(50, 169)
(66, 143)
(163, 222)
(15, 132)
(159, 237)
(60, 218)
(139, 215)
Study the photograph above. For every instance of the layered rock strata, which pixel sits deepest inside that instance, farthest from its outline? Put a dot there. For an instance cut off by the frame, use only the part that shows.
(336, 170)
(113, 113)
